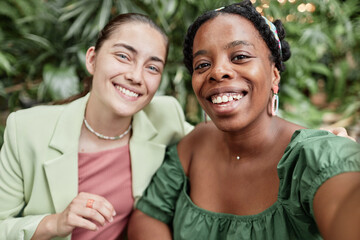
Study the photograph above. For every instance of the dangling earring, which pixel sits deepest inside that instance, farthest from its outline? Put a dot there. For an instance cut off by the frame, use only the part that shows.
(275, 101)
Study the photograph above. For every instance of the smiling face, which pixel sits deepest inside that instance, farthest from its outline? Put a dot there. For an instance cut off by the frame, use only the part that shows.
(233, 74)
(127, 68)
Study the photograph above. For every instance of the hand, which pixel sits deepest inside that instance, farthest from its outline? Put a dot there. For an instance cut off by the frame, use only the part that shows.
(76, 214)
(338, 131)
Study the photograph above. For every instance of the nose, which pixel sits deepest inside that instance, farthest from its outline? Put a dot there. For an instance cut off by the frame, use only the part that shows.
(135, 74)
(221, 71)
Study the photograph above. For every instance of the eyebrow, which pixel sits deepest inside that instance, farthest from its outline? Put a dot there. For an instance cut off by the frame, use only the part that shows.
(237, 43)
(227, 46)
(128, 47)
(200, 52)
(131, 49)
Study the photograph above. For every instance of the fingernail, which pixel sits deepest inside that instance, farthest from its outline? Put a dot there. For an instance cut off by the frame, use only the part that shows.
(114, 213)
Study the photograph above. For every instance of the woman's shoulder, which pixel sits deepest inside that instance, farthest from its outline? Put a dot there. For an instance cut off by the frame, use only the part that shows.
(43, 117)
(194, 138)
(319, 151)
(161, 101)
(192, 142)
(37, 114)
(162, 107)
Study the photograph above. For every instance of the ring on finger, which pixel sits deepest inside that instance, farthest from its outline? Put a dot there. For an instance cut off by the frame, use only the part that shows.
(89, 203)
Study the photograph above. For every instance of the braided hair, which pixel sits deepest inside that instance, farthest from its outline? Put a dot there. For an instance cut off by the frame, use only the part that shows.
(246, 10)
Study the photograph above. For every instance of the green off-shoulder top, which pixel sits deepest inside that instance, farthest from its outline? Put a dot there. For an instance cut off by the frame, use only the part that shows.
(312, 157)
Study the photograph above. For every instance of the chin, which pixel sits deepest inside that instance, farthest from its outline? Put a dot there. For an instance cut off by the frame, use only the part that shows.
(227, 124)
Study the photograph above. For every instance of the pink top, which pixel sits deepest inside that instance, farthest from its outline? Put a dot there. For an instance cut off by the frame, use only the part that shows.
(108, 174)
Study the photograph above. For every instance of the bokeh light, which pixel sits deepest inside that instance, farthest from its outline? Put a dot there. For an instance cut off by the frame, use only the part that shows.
(259, 9)
(301, 7)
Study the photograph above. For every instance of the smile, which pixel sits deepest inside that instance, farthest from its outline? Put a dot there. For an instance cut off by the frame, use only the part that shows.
(127, 92)
(227, 97)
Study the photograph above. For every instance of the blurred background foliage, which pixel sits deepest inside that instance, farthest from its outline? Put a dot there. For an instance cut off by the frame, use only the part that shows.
(43, 46)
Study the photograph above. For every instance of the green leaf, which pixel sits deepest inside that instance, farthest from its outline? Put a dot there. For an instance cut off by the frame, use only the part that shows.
(8, 10)
(104, 13)
(67, 15)
(60, 82)
(2, 90)
(80, 21)
(5, 64)
(41, 41)
(320, 69)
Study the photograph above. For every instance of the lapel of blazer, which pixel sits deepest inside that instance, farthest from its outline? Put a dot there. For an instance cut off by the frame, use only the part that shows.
(62, 171)
(146, 155)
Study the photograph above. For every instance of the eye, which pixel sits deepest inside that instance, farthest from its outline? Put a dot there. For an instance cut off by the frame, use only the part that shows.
(202, 65)
(154, 69)
(240, 57)
(122, 56)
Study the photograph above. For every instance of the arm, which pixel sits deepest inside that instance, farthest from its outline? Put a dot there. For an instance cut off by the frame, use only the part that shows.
(337, 207)
(157, 206)
(13, 223)
(11, 190)
(76, 215)
(142, 226)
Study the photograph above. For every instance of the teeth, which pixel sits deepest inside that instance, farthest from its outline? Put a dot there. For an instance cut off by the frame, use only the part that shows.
(227, 97)
(127, 92)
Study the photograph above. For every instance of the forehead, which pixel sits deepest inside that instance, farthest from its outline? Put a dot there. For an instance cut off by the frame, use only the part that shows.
(141, 36)
(227, 28)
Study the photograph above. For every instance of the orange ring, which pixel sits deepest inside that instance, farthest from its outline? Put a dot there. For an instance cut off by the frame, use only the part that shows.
(89, 203)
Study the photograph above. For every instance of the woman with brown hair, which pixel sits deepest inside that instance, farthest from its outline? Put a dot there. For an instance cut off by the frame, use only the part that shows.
(75, 170)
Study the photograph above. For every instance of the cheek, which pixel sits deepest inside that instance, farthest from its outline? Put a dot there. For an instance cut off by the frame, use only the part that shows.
(196, 84)
(153, 83)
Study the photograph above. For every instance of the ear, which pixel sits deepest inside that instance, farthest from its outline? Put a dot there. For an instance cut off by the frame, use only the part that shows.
(90, 60)
(275, 77)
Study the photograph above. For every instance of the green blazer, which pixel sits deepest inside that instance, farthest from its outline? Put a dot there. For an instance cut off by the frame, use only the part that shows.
(39, 158)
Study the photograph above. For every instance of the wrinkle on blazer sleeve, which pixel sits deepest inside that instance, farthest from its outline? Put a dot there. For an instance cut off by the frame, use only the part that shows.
(12, 201)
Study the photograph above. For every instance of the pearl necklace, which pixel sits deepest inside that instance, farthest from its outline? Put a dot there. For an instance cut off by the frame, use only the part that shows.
(99, 135)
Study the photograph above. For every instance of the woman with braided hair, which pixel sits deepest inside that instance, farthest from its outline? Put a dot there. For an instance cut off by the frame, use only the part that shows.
(248, 174)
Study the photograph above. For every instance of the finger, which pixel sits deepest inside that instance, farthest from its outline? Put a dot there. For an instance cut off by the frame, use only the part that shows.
(78, 208)
(99, 199)
(353, 139)
(99, 203)
(93, 215)
(102, 208)
(108, 205)
(339, 131)
(78, 221)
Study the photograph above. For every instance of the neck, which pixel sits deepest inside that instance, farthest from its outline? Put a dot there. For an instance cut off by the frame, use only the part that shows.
(254, 141)
(104, 121)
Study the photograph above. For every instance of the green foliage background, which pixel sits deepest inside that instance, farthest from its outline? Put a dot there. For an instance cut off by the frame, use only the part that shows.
(43, 46)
